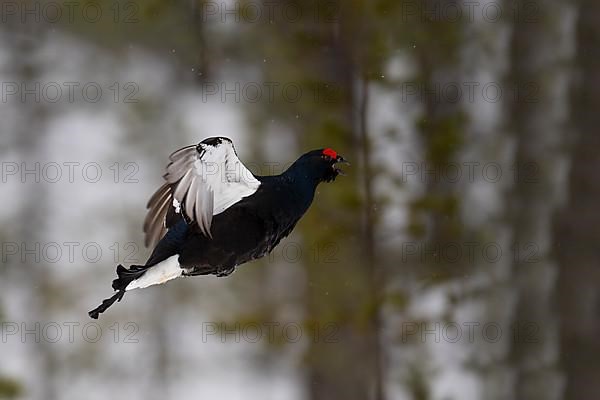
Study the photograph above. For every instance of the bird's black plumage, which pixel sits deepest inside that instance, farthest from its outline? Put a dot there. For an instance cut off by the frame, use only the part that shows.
(247, 229)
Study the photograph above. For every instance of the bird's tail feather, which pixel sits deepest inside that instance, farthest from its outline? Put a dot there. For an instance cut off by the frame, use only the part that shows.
(105, 304)
(124, 277)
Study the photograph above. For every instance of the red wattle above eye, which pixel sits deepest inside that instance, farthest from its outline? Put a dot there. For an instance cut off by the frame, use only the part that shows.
(330, 153)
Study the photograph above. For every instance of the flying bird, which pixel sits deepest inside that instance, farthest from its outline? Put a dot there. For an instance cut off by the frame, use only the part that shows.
(212, 214)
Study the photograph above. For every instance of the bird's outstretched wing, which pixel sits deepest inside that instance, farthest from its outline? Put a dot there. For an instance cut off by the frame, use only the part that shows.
(202, 181)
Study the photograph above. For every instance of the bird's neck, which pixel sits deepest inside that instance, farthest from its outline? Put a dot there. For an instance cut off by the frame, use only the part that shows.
(301, 183)
(302, 176)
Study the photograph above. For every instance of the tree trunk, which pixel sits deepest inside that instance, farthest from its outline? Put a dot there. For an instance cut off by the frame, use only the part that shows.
(350, 368)
(578, 225)
(538, 112)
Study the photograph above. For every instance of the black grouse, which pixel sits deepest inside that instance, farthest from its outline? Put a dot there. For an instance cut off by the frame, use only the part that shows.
(213, 214)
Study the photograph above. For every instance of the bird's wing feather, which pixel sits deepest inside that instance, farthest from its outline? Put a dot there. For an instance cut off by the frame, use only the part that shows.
(202, 181)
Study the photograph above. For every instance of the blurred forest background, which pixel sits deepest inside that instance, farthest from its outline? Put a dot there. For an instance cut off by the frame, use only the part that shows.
(457, 260)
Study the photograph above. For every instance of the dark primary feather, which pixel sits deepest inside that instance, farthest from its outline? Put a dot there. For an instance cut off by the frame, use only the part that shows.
(158, 205)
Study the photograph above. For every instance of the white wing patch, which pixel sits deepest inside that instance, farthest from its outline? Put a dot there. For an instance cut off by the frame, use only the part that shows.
(202, 181)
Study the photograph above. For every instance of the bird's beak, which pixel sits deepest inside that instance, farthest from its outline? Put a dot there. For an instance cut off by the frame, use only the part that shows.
(340, 160)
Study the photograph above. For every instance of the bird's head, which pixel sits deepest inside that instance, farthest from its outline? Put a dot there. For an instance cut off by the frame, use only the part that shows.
(321, 165)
